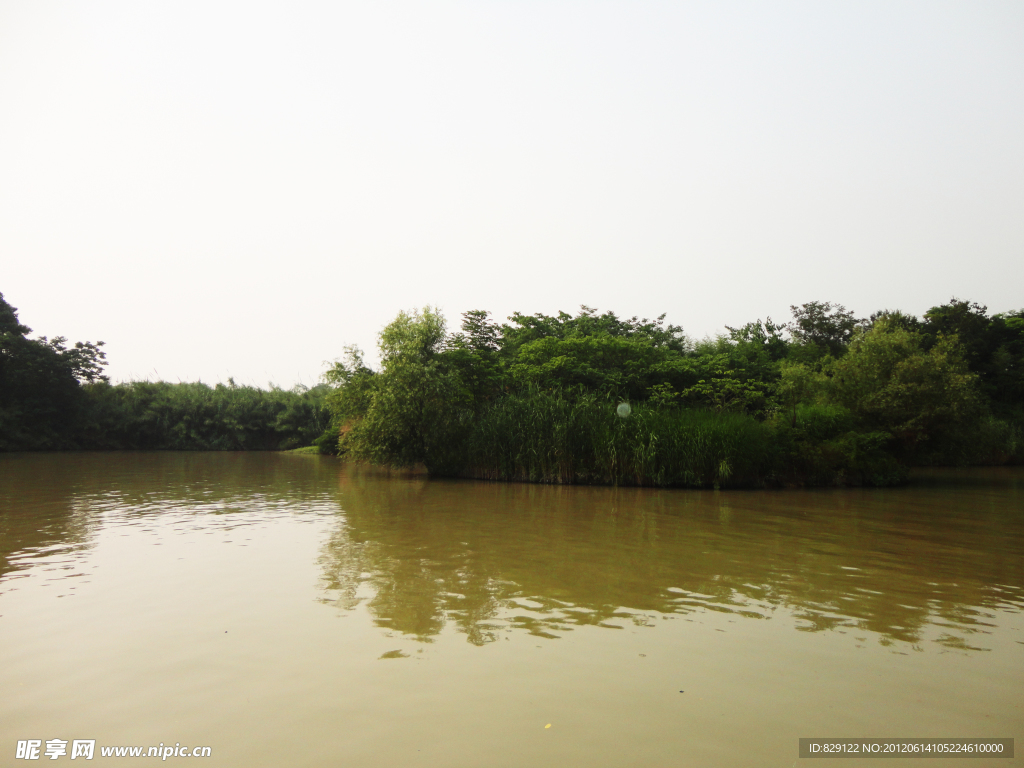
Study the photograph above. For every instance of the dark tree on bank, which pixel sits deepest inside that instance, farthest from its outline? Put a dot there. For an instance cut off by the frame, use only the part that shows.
(826, 326)
(41, 397)
(993, 347)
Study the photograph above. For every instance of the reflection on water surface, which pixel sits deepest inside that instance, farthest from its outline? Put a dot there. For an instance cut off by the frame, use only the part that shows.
(292, 610)
(929, 562)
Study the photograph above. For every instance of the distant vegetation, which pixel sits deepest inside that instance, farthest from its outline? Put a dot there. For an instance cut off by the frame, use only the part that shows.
(588, 398)
(54, 397)
(196, 417)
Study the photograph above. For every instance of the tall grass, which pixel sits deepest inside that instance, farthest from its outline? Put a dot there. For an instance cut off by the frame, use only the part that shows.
(549, 437)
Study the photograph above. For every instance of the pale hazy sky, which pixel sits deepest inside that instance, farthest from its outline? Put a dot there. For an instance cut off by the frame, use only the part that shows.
(241, 188)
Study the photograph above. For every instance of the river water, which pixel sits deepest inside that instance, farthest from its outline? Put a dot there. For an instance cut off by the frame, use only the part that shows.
(290, 610)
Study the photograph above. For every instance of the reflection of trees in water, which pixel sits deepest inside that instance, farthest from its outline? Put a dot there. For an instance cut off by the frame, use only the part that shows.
(936, 560)
(423, 570)
(40, 513)
(53, 501)
(492, 557)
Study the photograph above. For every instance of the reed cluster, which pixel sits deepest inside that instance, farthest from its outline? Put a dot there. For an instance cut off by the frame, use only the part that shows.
(548, 437)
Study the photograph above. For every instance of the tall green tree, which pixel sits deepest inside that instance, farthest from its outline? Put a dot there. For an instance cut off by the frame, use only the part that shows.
(353, 384)
(41, 399)
(892, 381)
(419, 405)
(527, 328)
(993, 348)
(474, 352)
(593, 353)
(824, 327)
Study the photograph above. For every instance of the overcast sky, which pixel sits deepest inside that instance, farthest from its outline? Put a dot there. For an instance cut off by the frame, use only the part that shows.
(239, 189)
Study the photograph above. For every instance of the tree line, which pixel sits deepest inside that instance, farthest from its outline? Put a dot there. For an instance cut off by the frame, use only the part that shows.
(54, 396)
(826, 397)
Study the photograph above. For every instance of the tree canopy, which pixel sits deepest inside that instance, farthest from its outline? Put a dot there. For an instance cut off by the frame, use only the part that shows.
(40, 384)
(589, 396)
(892, 382)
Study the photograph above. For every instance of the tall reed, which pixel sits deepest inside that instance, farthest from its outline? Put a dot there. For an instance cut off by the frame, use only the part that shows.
(549, 437)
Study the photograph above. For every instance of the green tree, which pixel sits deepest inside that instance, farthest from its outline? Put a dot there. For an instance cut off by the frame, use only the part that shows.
(895, 317)
(926, 398)
(353, 384)
(721, 387)
(1004, 380)
(479, 332)
(798, 385)
(41, 399)
(474, 353)
(593, 353)
(527, 328)
(824, 327)
(969, 322)
(614, 366)
(419, 406)
(760, 341)
(993, 349)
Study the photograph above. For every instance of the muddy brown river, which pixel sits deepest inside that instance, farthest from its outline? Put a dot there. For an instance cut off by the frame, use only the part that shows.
(287, 610)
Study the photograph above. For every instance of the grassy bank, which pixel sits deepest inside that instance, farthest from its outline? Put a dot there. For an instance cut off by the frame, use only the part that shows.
(306, 450)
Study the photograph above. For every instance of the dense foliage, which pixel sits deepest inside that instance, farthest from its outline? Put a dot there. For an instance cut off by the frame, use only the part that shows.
(827, 397)
(41, 397)
(145, 415)
(55, 397)
(824, 398)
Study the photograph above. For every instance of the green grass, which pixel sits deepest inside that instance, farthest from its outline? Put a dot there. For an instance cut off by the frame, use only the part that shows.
(310, 450)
